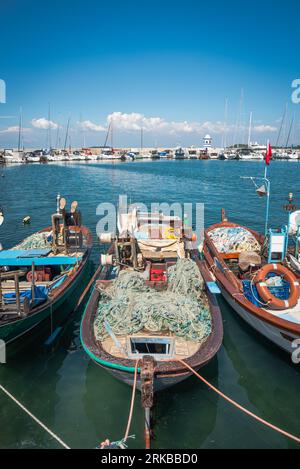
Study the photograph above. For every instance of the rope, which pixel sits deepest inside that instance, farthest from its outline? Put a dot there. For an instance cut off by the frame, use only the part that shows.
(132, 402)
(34, 418)
(88, 287)
(240, 407)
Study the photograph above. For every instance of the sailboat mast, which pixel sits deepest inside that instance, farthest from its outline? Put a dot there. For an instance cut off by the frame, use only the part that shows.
(20, 139)
(142, 136)
(112, 135)
(281, 125)
(225, 123)
(290, 131)
(49, 127)
(250, 129)
(67, 133)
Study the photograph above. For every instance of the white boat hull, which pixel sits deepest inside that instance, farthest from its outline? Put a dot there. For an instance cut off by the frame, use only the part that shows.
(274, 334)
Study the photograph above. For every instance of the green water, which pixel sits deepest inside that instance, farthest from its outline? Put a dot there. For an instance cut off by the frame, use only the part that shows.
(82, 403)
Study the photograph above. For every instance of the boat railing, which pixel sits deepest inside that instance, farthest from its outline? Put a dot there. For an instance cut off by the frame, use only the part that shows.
(14, 307)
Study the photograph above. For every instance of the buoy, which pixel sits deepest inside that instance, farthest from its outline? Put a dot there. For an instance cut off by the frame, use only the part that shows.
(26, 220)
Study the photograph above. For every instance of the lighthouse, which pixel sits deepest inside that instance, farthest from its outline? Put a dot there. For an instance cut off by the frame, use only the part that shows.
(207, 142)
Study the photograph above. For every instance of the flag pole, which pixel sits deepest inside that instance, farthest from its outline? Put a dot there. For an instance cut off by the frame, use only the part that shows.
(268, 191)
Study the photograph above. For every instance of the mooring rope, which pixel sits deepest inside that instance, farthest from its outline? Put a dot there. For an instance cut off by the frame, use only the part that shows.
(132, 401)
(51, 433)
(239, 406)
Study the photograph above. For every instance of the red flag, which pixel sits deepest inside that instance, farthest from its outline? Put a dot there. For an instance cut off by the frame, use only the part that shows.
(268, 154)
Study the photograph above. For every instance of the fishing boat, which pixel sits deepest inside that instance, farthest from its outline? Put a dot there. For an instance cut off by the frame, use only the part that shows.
(40, 277)
(153, 304)
(258, 274)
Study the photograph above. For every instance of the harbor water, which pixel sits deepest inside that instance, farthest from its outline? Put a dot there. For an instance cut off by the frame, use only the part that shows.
(82, 403)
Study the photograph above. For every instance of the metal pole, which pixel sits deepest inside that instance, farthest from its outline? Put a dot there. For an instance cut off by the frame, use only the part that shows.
(268, 200)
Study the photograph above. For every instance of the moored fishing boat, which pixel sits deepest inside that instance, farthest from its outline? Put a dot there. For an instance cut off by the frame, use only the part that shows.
(151, 306)
(40, 278)
(258, 274)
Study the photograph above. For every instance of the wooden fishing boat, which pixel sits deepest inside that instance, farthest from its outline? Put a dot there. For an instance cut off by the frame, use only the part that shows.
(150, 255)
(257, 279)
(40, 278)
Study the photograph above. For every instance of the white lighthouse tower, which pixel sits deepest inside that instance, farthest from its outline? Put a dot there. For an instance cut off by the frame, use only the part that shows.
(207, 140)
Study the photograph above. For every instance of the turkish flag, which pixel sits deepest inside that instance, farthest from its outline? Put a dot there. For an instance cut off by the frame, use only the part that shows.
(268, 154)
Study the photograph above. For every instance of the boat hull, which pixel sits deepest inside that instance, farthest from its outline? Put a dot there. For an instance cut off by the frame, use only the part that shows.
(160, 383)
(55, 309)
(278, 336)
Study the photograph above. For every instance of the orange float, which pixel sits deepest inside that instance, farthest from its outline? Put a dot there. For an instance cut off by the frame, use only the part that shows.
(266, 295)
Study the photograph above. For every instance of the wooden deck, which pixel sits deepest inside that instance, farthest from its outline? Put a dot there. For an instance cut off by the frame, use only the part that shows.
(183, 348)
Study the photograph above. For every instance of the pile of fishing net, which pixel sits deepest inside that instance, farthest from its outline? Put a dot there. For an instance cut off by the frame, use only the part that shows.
(236, 239)
(130, 306)
(36, 241)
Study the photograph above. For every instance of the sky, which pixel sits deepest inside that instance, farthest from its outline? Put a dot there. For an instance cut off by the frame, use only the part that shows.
(168, 67)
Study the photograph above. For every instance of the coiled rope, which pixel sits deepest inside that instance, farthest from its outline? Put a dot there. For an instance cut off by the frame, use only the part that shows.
(239, 406)
(41, 424)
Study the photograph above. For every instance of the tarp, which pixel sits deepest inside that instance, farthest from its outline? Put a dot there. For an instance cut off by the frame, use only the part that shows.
(40, 296)
(25, 257)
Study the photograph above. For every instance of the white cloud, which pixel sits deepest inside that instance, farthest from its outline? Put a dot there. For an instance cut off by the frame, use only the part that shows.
(43, 123)
(136, 121)
(88, 125)
(13, 130)
(264, 128)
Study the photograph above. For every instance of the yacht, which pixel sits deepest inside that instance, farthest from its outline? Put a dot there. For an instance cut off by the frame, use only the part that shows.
(12, 156)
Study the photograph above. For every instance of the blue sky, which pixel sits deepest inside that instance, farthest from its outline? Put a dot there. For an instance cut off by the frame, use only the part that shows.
(166, 66)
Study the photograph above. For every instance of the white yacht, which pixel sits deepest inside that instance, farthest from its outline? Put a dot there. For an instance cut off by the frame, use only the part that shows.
(12, 156)
(179, 153)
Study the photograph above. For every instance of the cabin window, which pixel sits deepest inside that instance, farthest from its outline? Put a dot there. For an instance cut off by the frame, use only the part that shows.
(158, 347)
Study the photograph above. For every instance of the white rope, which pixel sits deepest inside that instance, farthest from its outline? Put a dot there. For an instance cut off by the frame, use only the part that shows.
(34, 418)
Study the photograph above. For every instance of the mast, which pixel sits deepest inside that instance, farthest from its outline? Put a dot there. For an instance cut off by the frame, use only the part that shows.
(49, 127)
(290, 131)
(224, 142)
(107, 134)
(281, 125)
(20, 139)
(142, 136)
(57, 137)
(250, 129)
(111, 135)
(67, 133)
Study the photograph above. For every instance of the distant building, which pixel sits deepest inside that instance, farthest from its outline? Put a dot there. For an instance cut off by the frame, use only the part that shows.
(207, 141)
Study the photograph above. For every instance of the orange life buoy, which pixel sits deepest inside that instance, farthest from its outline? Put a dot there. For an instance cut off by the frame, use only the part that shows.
(266, 295)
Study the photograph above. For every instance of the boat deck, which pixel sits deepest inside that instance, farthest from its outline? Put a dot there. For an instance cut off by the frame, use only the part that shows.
(183, 348)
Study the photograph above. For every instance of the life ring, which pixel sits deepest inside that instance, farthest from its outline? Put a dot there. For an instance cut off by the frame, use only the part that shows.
(266, 295)
(31, 275)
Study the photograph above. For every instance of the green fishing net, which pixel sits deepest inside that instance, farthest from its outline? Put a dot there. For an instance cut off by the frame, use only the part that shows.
(130, 306)
(35, 241)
